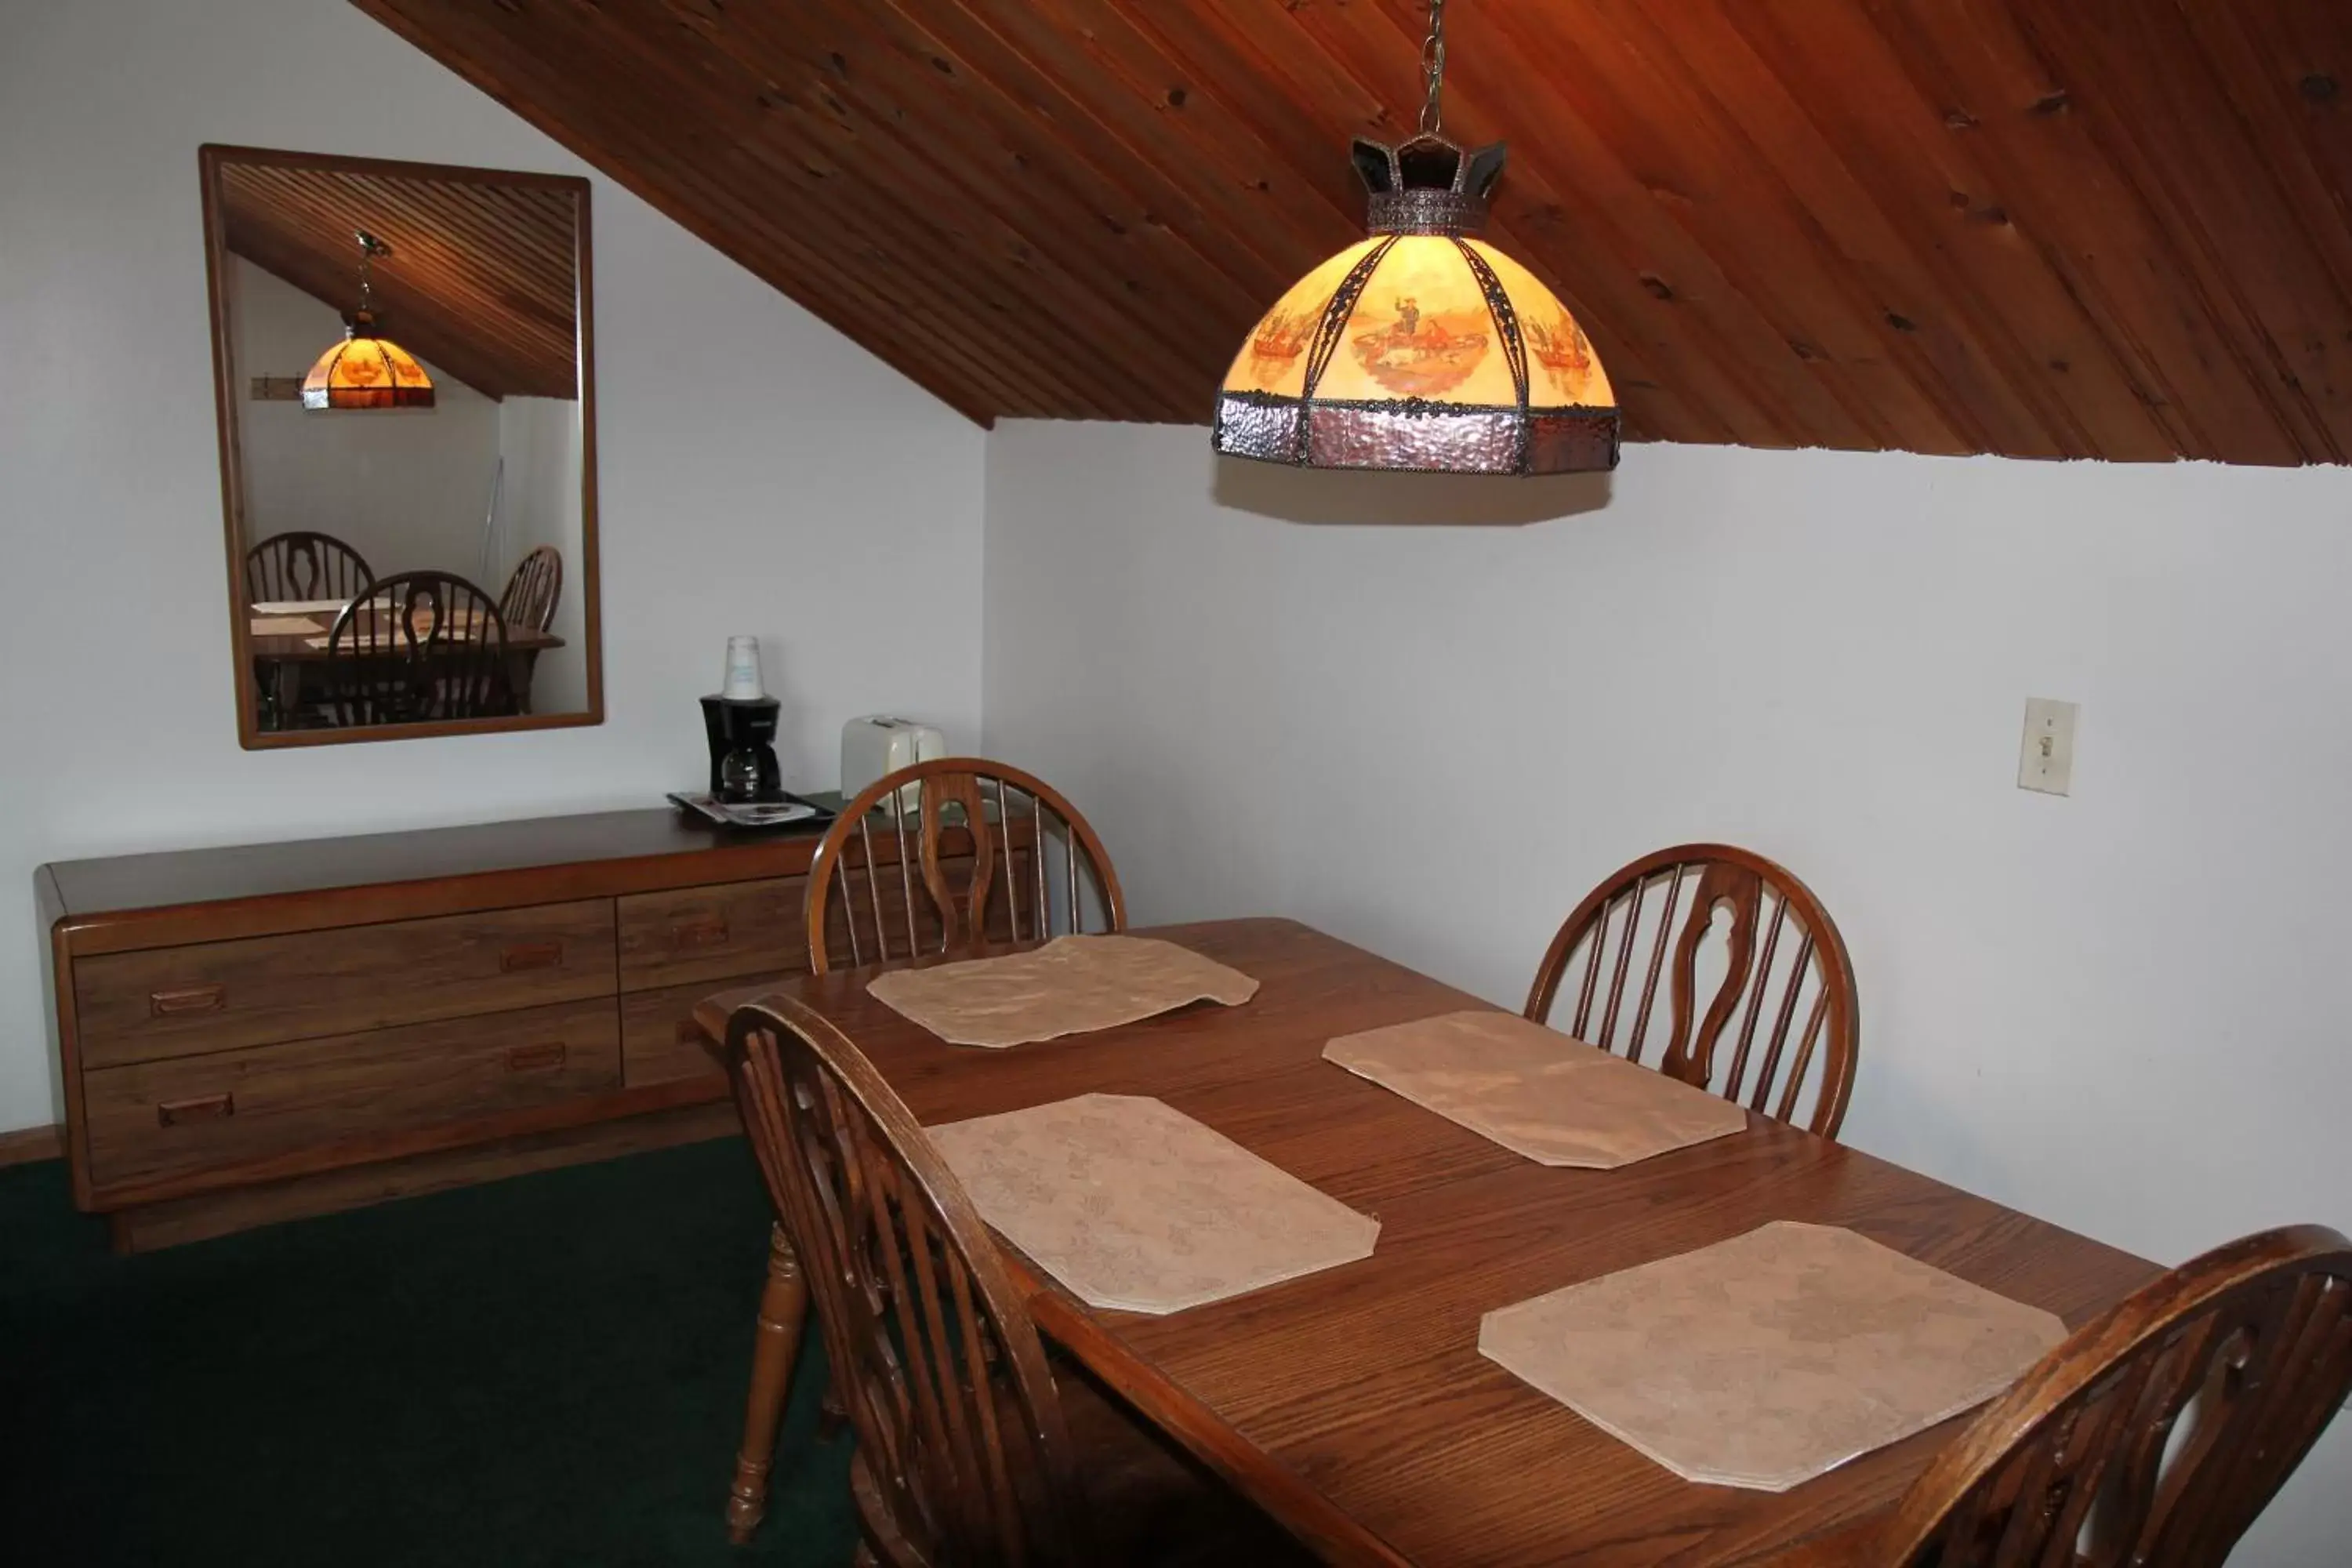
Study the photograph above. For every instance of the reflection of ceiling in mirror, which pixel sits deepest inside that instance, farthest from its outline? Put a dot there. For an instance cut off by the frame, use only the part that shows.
(480, 280)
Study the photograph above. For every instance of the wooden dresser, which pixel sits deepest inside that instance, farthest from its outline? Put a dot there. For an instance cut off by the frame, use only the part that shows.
(251, 1034)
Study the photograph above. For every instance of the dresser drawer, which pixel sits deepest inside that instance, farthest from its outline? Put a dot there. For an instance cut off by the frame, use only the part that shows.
(712, 933)
(659, 1041)
(164, 1119)
(214, 997)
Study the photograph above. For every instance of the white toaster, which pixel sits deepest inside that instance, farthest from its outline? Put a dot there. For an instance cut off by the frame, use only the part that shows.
(877, 744)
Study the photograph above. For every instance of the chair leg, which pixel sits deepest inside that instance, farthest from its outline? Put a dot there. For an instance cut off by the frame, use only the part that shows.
(832, 1415)
(521, 668)
(783, 1307)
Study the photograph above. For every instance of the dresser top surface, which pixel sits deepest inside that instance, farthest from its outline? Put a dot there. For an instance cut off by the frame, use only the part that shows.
(177, 878)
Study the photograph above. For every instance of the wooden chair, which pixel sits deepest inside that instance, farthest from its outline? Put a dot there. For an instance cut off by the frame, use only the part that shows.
(425, 645)
(974, 827)
(970, 1451)
(304, 566)
(529, 604)
(2158, 1431)
(1035, 868)
(1798, 967)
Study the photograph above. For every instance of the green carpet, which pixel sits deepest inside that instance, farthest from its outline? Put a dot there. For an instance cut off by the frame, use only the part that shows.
(545, 1370)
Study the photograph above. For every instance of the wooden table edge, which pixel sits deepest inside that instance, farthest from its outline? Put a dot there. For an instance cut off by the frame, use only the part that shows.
(294, 647)
(1336, 1535)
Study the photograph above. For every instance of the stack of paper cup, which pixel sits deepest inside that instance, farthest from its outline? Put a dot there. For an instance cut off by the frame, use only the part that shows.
(742, 670)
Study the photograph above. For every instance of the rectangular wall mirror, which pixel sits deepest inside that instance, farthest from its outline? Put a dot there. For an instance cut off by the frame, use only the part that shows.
(402, 359)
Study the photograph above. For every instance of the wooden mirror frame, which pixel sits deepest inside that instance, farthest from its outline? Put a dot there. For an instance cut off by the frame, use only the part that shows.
(211, 158)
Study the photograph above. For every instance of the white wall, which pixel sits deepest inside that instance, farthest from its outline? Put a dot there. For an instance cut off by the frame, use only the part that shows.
(2117, 1010)
(754, 476)
(405, 488)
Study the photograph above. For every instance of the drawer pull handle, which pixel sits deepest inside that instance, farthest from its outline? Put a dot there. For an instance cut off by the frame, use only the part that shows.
(187, 999)
(531, 955)
(530, 1059)
(203, 1108)
(698, 933)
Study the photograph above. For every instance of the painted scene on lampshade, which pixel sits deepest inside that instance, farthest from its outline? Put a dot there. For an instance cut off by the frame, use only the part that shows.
(1421, 328)
(1563, 371)
(1274, 357)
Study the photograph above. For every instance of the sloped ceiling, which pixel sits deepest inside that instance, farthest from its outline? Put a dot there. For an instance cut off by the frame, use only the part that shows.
(2104, 228)
(480, 281)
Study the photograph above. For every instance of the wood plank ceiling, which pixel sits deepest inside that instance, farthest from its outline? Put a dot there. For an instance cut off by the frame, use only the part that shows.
(481, 278)
(2097, 228)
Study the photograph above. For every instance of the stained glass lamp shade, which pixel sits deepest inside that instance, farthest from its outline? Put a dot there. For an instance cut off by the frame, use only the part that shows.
(1422, 347)
(365, 371)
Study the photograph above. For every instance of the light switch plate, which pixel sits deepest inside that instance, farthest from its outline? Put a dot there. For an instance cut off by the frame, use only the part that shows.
(2045, 759)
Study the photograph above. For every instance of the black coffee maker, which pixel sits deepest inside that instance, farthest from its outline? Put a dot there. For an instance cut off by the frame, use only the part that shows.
(742, 731)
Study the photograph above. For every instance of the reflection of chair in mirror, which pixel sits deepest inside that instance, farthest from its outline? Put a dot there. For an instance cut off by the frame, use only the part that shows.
(304, 568)
(529, 604)
(426, 646)
(299, 567)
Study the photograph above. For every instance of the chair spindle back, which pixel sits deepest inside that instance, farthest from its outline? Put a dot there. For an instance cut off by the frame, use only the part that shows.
(300, 566)
(2154, 1436)
(422, 646)
(1780, 972)
(950, 852)
(963, 1453)
(529, 601)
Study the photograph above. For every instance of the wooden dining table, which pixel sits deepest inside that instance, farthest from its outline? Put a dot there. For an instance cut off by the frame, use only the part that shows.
(1353, 1405)
(279, 657)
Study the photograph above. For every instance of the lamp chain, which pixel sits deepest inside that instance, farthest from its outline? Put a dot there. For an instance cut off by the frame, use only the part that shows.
(370, 248)
(1433, 68)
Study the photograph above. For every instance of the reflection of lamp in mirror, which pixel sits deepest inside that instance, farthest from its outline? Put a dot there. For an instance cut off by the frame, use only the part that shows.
(365, 370)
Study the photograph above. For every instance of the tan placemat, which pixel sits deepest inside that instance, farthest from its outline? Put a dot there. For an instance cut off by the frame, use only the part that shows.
(1536, 1090)
(281, 625)
(1767, 1360)
(1071, 985)
(297, 607)
(1132, 1204)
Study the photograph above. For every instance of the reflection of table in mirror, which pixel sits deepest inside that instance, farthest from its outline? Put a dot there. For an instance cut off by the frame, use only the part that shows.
(279, 658)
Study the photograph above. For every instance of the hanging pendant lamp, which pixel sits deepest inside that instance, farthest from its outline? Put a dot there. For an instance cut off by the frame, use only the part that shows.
(365, 370)
(1422, 347)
